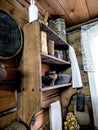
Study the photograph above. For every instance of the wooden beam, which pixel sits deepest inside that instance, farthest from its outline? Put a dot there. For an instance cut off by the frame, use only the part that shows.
(79, 25)
(30, 69)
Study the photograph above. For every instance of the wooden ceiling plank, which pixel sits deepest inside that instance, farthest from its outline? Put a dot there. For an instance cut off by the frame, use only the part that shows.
(92, 8)
(41, 10)
(51, 5)
(24, 3)
(78, 26)
(73, 11)
(76, 10)
(54, 9)
(16, 3)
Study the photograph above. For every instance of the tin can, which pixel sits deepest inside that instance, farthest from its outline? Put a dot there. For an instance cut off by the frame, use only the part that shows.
(58, 54)
(61, 28)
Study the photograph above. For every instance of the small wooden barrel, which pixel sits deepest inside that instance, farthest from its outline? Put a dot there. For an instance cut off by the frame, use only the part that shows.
(51, 47)
(10, 36)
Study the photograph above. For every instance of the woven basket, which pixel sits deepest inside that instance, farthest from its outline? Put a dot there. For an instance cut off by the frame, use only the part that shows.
(15, 125)
(10, 36)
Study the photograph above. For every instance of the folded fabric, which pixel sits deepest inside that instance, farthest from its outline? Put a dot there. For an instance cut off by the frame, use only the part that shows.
(76, 76)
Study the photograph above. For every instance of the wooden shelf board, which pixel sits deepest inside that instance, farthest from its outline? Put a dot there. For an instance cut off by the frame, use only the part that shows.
(53, 60)
(55, 87)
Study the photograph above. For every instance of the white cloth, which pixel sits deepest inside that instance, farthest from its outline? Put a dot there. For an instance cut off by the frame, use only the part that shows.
(89, 44)
(55, 116)
(76, 76)
(86, 46)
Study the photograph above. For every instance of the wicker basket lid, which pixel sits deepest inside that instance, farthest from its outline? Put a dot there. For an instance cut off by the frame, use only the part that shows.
(10, 36)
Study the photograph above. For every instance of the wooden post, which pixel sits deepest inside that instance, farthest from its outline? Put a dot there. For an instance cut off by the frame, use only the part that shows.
(29, 97)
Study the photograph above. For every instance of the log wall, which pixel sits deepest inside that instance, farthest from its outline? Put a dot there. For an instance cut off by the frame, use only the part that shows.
(17, 9)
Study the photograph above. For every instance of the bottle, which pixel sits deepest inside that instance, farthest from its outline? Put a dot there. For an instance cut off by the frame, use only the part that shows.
(33, 11)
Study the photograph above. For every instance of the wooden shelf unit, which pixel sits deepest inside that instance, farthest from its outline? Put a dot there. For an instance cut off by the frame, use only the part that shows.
(32, 96)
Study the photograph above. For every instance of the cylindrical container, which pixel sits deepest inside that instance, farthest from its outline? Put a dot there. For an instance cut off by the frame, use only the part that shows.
(51, 47)
(61, 28)
(58, 54)
(64, 55)
(44, 48)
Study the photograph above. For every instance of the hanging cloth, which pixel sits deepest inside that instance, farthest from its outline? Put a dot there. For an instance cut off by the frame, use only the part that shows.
(86, 46)
(89, 40)
(76, 76)
(55, 116)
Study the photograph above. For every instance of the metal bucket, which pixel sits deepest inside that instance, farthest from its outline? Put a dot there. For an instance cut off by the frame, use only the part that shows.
(10, 36)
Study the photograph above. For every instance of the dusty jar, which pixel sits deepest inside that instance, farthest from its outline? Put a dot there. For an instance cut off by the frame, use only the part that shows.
(51, 47)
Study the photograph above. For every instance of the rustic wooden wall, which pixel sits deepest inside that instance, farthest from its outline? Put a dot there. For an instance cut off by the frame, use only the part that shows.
(17, 9)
